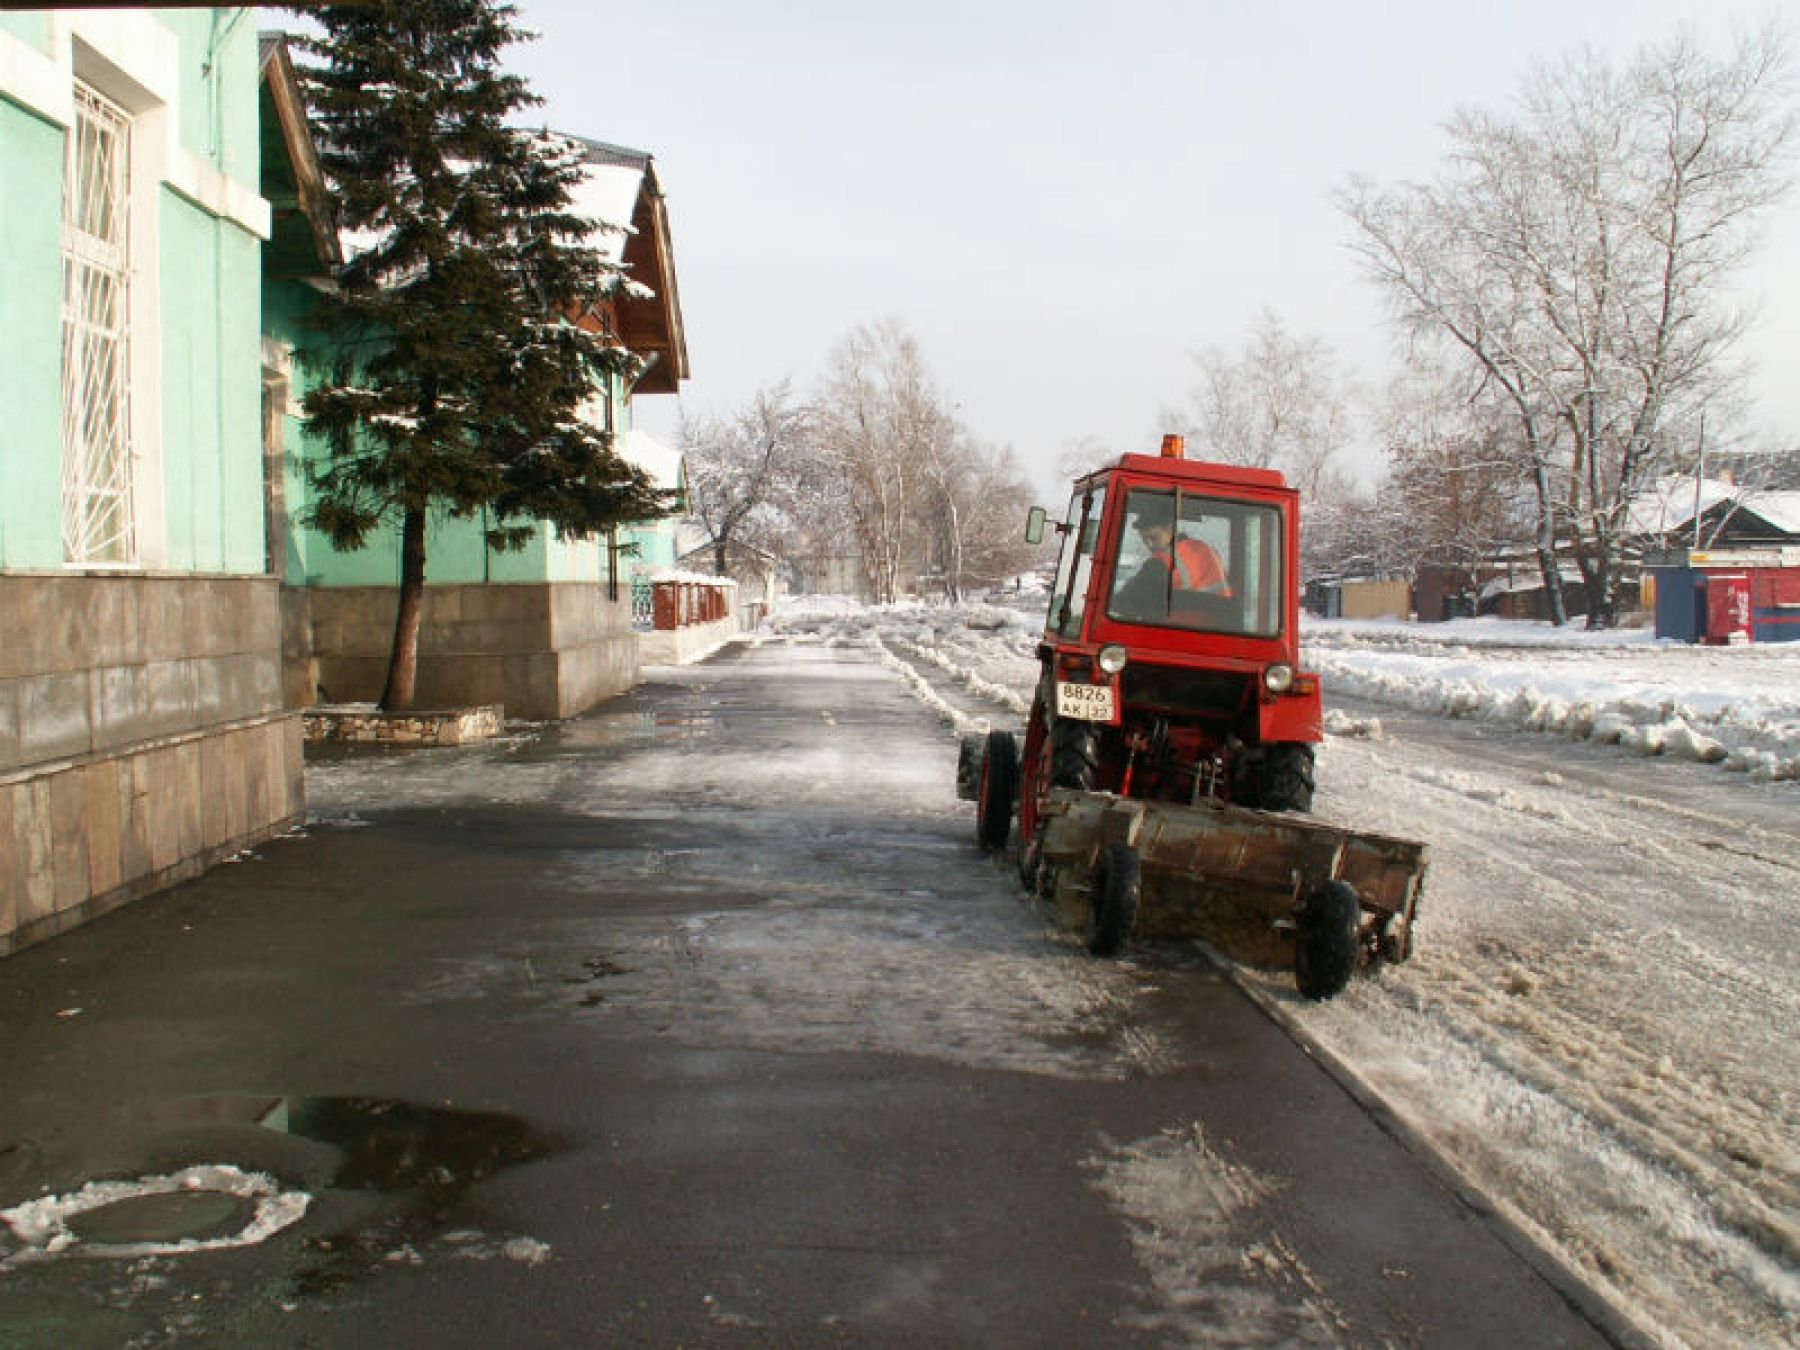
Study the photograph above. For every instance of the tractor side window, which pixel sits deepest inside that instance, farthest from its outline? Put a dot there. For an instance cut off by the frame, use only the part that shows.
(1081, 532)
(1204, 563)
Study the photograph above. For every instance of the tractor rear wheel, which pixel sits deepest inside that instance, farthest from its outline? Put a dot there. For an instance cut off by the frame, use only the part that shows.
(998, 791)
(1286, 781)
(1325, 946)
(1117, 891)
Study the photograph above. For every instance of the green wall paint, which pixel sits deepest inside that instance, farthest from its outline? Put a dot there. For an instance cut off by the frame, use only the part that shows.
(455, 550)
(32, 29)
(218, 117)
(31, 153)
(206, 329)
(212, 389)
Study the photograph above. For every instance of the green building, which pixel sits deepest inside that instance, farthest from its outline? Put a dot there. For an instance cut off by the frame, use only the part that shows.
(545, 631)
(143, 732)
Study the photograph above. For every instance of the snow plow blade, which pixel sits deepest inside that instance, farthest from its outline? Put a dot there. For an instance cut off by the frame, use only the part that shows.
(1237, 878)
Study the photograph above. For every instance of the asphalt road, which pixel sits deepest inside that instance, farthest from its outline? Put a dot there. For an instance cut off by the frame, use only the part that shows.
(700, 1021)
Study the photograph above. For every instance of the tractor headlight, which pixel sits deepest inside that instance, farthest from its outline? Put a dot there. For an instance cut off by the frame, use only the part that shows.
(1278, 679)
(1112, 659)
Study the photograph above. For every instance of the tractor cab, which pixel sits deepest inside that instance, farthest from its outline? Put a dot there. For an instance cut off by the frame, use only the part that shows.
(1171, 647)
(1189, 553)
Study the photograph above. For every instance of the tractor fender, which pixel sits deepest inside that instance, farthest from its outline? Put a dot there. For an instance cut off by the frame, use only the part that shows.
(1291, 717)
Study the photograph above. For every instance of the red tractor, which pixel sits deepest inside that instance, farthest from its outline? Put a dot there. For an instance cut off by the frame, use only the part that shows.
(1172, 715)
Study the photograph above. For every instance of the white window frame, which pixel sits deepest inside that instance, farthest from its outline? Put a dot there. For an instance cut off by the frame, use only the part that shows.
(100, 448)
(134, 59)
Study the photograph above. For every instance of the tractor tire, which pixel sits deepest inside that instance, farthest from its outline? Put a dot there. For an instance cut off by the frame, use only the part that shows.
(1117, 891)
(1325, 946)
(1074, 755)
(998, 792)
(1286, 780)
(968, 766)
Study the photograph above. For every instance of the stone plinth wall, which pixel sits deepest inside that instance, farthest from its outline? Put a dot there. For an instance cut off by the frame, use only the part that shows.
(142, 738)
(363, 725)
(678, 646)
(541, 650)
(299, 664)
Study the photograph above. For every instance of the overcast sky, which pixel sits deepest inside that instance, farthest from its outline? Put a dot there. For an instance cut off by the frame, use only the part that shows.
(1062, 202)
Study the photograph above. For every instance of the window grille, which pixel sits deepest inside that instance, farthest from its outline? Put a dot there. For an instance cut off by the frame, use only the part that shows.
(98, 519)
(643, 603)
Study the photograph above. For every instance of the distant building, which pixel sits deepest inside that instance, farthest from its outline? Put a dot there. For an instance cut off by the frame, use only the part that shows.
(1724, 568)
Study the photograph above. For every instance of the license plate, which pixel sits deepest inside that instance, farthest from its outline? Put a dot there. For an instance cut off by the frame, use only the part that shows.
(1084, 702)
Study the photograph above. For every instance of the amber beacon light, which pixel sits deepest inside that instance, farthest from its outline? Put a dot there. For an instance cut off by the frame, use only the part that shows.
(1174, 447)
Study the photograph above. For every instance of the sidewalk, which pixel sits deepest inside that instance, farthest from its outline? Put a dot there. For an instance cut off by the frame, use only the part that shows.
(700, 1021)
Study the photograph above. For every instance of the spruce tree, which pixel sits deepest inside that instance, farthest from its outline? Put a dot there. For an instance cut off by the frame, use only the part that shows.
(454, 352)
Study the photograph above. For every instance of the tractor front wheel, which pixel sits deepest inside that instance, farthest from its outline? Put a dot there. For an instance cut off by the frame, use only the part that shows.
(1117, 891)
(1325, 946)
(1074, 754)
(998, 792)
(1287, 777)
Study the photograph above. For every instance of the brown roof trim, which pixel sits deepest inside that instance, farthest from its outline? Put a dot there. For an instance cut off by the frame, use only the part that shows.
(276, 70)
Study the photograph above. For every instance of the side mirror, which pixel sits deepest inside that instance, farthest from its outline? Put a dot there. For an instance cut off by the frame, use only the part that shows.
(1034, 525)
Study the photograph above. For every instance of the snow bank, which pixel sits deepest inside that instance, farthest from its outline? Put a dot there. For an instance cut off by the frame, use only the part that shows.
(1738, 707)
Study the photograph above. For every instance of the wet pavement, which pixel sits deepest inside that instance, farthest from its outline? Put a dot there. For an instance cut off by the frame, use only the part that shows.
(698, 1020)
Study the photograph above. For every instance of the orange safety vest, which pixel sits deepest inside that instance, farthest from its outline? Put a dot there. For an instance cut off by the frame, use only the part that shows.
(1195, 567)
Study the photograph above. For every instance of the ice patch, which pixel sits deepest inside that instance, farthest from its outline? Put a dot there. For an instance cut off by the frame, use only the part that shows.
(1218, 1277)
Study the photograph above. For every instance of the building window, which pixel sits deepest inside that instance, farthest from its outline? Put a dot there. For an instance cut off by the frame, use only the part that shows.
(99, 524)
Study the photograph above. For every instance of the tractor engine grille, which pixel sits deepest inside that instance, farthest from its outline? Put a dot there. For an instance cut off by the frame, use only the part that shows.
(1174, 689)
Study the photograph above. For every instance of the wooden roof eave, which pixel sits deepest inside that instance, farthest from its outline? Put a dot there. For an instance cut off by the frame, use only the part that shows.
(296, 135)
(654, 326)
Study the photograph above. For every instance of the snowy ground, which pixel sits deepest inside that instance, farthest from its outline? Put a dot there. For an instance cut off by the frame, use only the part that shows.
(1598, 1026)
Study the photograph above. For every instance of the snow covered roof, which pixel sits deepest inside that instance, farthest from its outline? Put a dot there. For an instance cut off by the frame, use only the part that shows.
(1672, 502)
(612, 177)
(1780, 509)
(663, 464)
(621, 190)
(691, 536)
(1528, 579)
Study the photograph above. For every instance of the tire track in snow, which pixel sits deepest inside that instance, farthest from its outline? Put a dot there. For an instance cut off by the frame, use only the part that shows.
(965, 715)
(1592, 1121)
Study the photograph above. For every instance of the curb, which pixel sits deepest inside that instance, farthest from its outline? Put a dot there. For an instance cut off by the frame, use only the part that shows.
(1601, 1312)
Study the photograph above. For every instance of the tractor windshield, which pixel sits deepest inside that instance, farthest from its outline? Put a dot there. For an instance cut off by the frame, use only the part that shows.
(1205, 563)
(1081, 531)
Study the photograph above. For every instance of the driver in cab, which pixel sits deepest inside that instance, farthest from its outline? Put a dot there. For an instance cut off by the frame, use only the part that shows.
(1175, 575)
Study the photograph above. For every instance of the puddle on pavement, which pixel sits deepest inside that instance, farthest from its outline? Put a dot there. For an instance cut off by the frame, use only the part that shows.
(197, 1216)
(428, 1155)
(398, 1146)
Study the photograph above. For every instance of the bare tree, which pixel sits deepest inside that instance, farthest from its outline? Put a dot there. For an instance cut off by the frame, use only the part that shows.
(1434, 251)
(1277, 404)
(1575, 252)
(742, 470)
(1453, 469)
(991, 496)
(1081, 456)
(877, 423)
